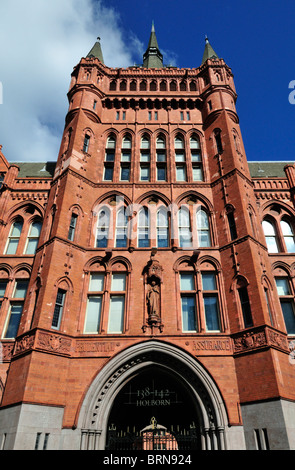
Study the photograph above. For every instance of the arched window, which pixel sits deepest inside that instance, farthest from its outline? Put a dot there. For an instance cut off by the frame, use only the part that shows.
(14, 236)
(244, 302)
(203, 229)
(109, 158)
(145, 158)
(86, 143)
(196, 159)
(106, 301)
(180, 158)
(16, 302)
(103, 226)
(126, 158)
(33, 237)
(162, 228)
(200, 305)
(270, 236)
(143, 228)
(288, 236)
(121, 228)
(161, 158)
(218, 142)
(231, 222)
(286, 296)
(184, 228)
(72, 227)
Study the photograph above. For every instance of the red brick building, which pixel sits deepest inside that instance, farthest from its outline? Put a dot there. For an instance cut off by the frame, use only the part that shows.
(147, 277)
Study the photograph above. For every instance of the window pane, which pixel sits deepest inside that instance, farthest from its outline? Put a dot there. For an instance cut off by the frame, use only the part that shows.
(162, 237)
(108, 173)
(187, 281)
(125, 172)
(288, 312)
(208, 281)
(143, 238)
(17, 228)
(126, 143)
(160, 143)
(194, 143)
(180, 173)
(118, 282)
(178, 143)
(268, 228)
(93, 314)
(3, 285)
(283, 286)
(290, 245)
(96, 282)
(211, 313)
(145, 143)
(286, 228)
(179, 157)
(14, 319)
(12, 247)
(161, 156)
(197, 173)
(116, 314)
(35, 229)
(188, 313)
(161, 173)
(31, 246)
(144, 174)
(20, 289)
(271, 244)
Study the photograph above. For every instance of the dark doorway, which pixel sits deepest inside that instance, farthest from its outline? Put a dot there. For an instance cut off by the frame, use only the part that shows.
(154, 411)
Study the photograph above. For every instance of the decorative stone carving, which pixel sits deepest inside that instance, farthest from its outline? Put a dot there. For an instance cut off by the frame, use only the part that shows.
(54, 343)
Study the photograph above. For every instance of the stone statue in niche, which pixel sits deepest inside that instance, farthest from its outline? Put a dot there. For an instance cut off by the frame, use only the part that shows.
(153, 299)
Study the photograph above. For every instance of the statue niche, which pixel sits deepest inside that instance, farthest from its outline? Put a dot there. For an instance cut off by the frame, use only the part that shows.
(153, 294)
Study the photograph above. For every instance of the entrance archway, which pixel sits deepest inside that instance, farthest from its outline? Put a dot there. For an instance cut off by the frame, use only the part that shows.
(144, 369)
(154, 411)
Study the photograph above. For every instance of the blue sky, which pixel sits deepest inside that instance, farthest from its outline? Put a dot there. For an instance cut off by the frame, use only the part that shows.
(41, 42)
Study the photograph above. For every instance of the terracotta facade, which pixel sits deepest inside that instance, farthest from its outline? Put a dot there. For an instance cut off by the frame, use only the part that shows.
(151, 192)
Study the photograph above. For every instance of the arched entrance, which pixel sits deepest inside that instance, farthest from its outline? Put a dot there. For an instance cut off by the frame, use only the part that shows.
(153, 382)
(154, 411)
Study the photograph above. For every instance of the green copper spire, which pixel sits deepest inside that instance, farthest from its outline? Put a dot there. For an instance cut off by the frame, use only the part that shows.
(209, 52)
(96, 51)
(152, 57)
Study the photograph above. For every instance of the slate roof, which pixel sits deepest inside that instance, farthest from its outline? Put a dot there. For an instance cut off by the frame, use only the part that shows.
(257, 169)
(36, 169)
(268, 169)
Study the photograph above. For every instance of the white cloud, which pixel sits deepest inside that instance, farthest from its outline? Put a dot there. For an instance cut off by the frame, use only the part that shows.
(41, 41)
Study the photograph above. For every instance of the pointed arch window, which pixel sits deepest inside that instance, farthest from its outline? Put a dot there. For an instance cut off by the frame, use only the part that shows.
(143, 228)
(203, 229)
(14, 237)
(210, 299)
(161, 158)
(244, 302)
(286, 297)
(15, 308)
(288, 236)
(86, 143)
(218, 142)
(184, 228)
(109, 158)
(58, 308)
(195, 151)
(270, 236)
(103, 226)
(121, 228)
(162, 228)
(126, 158)
(145, 158)
(33, 237)
(72, 227)
(180, 158)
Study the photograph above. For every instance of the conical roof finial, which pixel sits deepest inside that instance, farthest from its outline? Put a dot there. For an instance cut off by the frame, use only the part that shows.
(152, 57)
(209, 52)
(96, 51)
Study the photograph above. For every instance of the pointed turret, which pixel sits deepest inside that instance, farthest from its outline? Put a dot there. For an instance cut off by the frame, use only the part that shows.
(209, 52)
(96, 51)
(153, 58)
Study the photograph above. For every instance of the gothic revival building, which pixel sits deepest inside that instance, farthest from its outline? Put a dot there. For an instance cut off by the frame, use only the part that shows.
(147, 277)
